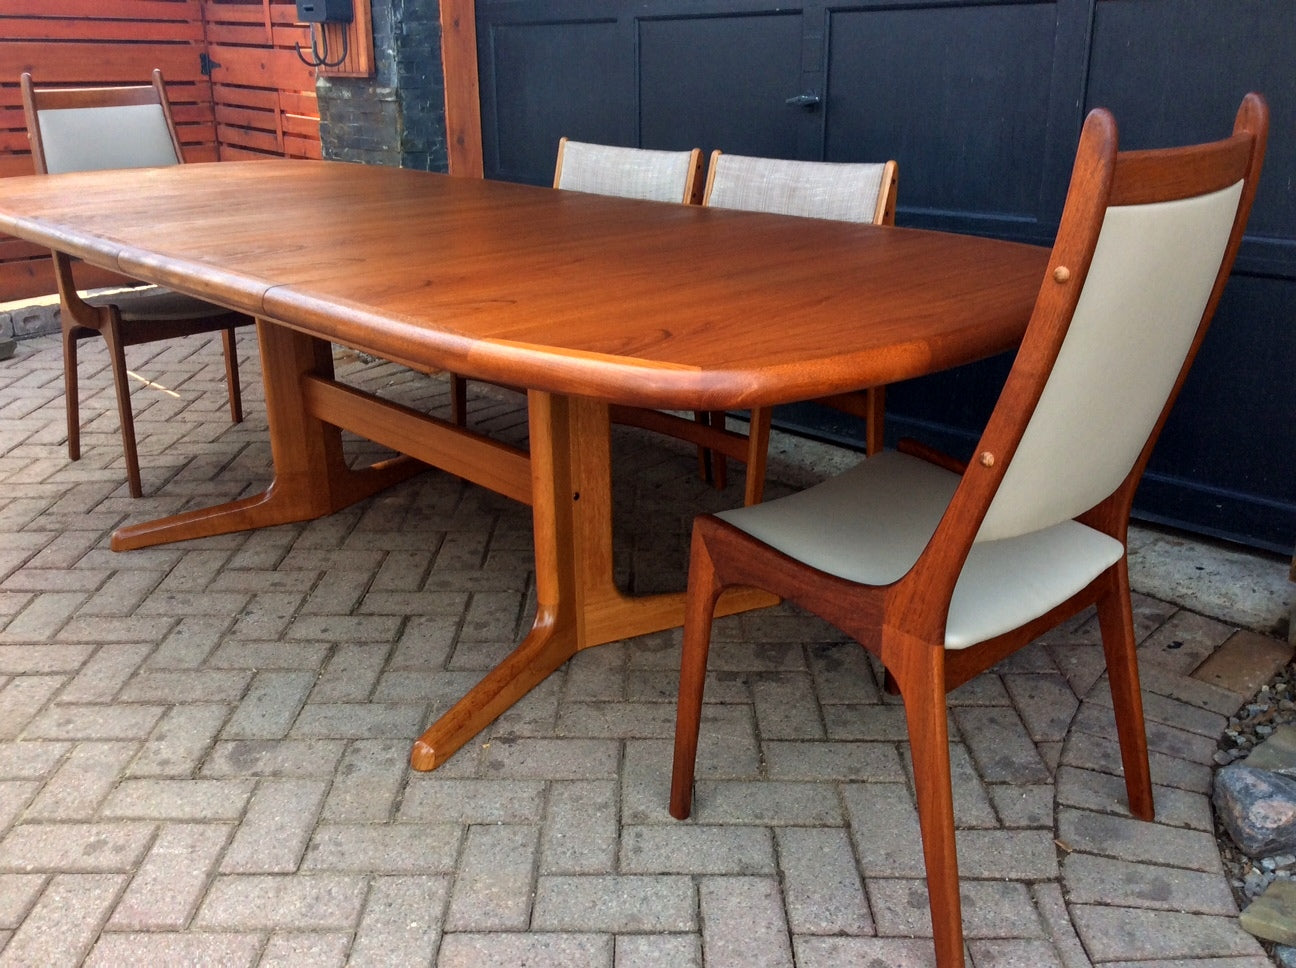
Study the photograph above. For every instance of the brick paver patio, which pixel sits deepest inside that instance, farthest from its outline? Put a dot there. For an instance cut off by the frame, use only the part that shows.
(203, 747)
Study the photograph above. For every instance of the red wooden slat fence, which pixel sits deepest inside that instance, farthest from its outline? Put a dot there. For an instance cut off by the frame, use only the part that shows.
(260, 101)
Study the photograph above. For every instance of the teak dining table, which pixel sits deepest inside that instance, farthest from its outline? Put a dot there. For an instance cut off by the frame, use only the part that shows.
(585, 301)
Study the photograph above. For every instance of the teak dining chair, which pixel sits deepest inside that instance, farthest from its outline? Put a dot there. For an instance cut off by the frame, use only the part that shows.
(95, 128)
(846, 192)
(941, 573)
(643, 173)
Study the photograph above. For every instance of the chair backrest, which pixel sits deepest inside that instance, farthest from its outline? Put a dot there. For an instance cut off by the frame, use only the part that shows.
(656, 176)
(843, 191)
(95, 128)
(1146, 244)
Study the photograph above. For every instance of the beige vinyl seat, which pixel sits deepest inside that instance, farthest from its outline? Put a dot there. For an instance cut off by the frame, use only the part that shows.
(940, 573)
(842, 191)
(97, 128)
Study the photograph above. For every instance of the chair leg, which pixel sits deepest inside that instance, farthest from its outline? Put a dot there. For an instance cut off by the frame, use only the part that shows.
(758, 434)
(458, 400)
(705, 457)
(922, 684)
(71, 395)
(699, 610)
(229, 337)
(875, 404)
(1116, 621)
(121, 383)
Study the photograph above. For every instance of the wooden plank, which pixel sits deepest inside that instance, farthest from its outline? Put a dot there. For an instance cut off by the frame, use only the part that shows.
(463, 100)
(97, 63)
(98, 10)
(108, 30)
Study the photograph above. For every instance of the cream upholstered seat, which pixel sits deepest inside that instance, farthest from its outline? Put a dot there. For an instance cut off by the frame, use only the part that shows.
(93, 129)
(941, 573)
(842, 191)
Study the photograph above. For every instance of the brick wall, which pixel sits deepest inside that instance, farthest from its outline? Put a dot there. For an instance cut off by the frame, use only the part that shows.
(396, 117)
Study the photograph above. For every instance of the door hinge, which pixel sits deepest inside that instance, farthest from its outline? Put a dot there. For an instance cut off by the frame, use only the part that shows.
(206, 65)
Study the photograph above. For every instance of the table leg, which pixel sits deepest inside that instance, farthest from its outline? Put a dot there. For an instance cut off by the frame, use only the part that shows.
(311, 477)
(577, 602)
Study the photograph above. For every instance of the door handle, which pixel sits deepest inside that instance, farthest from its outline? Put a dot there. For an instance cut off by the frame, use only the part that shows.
(803, 101)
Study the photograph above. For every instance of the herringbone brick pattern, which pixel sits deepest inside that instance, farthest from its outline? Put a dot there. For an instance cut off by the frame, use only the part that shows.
(203, 746)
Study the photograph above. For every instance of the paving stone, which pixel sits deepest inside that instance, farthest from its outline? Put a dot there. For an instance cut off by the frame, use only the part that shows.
(60, 929)
(276, 827)
(535, 949)
(743, 923)
(901, 908)
(197, 799)
(556, 759)
(821, 885)
(75, 847)
(320, 949)
(82, 782)
(270, 705)
(178, 743)
(812, 952)
(691, 849)
(1105, 793)
(103, 676)
(171, 880)
(279, 757)
(247, 902)
(492, 888)
(615, 903)
(1014, 954)
(92, 722)
(432, 798)
(402, 922)
(18, 892)
(209, 948)
(1000, 744)
(368, 780)
(652, 951)
(384, 848)
(1137, 840)
(833, 761)
(1091, 879)
(1139, 934)
(1244, 662)
(581, 831)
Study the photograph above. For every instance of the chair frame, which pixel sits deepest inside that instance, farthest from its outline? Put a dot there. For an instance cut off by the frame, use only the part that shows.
(903, 624)
(82, 320)
(868, 404)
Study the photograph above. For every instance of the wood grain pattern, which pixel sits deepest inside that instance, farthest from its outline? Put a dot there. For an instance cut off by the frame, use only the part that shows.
(479, 278)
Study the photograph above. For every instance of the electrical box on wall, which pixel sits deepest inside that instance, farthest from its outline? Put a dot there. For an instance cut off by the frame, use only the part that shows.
(324, 11)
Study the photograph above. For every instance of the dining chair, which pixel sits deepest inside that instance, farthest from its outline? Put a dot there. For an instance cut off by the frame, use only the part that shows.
(846, 192)
(96, 128)
(940, 572)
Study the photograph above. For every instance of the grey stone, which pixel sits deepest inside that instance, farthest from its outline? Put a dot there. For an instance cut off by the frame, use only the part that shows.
(1272, 915)
(1258, 808)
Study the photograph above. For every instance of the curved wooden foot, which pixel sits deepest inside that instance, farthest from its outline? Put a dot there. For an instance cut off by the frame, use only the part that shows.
(275, 505)
(546, 648)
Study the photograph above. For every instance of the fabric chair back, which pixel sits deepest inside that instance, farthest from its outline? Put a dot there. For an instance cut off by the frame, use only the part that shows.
(92, 129)
(845, 192)
(655, 176)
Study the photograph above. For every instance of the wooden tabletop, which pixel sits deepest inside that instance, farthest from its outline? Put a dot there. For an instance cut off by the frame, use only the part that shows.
(633, 302)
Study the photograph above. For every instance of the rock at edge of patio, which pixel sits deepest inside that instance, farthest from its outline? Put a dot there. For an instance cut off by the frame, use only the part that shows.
(1257, 808)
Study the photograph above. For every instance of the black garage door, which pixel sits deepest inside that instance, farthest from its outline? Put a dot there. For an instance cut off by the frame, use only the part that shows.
(981, 103)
